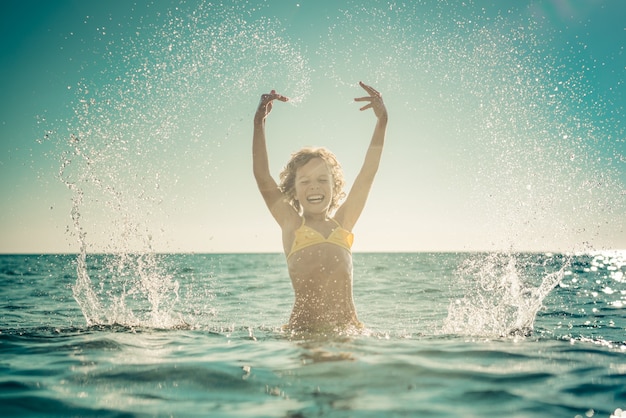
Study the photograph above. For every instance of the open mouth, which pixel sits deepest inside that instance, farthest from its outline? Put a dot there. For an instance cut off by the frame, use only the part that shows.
(315, 198)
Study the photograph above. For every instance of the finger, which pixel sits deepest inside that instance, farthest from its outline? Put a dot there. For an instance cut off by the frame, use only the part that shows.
(367, 106)
(276, 96)
(268, 97)
(367, 98)
(371, 90)
(367, 88)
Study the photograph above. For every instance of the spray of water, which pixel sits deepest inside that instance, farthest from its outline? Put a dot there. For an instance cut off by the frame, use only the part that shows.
(500, 294)
(539, 139)
(163, 84)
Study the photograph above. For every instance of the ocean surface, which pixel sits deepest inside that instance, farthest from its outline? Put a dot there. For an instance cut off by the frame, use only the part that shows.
(448, 335)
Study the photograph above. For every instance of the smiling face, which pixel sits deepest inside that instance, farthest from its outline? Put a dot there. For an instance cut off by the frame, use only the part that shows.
(314, 186)
(298, 161)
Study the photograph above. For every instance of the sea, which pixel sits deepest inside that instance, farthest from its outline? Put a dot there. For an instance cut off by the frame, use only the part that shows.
(447, 335)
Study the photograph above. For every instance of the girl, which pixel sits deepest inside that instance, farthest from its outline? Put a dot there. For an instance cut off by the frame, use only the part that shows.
(316, 229)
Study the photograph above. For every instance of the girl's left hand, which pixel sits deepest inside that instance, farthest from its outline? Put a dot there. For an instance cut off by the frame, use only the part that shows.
(375, 100)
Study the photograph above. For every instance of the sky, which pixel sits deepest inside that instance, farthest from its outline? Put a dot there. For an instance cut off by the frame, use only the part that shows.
(127, 126)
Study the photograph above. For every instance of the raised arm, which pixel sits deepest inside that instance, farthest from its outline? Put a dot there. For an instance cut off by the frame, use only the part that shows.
(260, 163)
(351, 209)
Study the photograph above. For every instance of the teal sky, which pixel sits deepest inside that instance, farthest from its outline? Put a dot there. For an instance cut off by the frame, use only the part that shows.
(129, 125)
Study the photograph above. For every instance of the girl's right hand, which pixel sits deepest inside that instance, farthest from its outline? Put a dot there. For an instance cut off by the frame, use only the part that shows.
(375, 100)
(265, 105)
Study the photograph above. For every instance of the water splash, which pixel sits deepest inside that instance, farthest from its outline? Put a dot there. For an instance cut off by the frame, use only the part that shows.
(537, 133)
(502, 294)
(160, 97)
(131, 289)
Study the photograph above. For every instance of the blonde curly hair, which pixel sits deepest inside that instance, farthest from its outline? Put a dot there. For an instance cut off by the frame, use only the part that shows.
(299, 159)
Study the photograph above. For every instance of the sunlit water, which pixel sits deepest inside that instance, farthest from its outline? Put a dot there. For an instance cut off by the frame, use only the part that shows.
(205, 339)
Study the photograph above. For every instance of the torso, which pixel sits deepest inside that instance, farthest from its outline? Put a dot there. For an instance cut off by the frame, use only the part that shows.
(321, 275)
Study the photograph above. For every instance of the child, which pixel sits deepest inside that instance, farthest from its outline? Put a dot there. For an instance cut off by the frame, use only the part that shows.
(316, 229)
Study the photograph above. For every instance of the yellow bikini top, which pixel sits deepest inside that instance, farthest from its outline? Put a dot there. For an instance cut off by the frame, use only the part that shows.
(306, 236)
